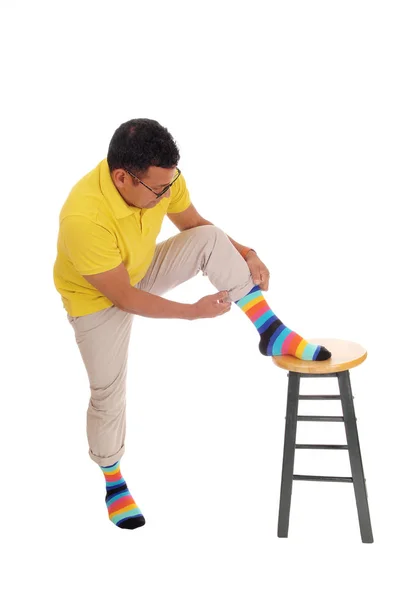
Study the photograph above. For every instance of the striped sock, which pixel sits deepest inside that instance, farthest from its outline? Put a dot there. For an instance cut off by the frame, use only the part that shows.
(276, 338)
(122, 509)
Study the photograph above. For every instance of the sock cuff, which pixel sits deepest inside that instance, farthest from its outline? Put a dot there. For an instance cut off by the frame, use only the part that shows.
(111, 467)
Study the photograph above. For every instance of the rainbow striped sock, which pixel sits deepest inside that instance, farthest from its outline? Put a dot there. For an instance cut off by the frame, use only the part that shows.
(276, 338)
(122, 509)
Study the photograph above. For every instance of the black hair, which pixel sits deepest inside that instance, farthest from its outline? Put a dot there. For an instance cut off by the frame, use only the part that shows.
(142, 143)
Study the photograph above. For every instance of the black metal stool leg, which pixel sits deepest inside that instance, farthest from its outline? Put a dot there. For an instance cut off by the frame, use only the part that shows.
(355, 456)
(288, 453)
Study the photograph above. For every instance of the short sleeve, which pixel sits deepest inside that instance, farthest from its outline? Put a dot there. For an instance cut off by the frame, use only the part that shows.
(89, 246)
(179, 197)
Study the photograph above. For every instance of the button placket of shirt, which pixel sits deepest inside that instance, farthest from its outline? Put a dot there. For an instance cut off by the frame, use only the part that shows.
(138, 218)
(144, 228)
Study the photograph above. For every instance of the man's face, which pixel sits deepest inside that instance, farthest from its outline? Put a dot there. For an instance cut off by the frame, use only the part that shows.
(136, 194)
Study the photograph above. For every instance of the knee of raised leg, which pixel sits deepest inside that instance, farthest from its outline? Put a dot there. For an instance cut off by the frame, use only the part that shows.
(209, 231)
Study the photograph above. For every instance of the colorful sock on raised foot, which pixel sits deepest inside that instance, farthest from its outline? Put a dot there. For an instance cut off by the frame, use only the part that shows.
(276, 338)
(122, 509)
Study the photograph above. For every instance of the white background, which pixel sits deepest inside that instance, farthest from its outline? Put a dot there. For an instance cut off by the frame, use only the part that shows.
(285, 114)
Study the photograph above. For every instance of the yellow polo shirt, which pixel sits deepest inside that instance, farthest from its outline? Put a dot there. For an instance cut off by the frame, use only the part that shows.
(98, 230)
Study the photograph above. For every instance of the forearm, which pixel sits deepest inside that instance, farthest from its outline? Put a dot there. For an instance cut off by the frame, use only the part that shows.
(243, 250)
(145, 304)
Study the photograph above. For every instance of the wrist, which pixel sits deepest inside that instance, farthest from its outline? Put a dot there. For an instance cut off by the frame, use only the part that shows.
(246, 252)
(192, 314)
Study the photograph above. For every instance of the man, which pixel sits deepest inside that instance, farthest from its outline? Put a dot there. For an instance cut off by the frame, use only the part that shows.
(109, 268)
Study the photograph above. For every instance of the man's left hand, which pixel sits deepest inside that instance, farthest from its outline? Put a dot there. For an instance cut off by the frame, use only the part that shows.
(258, 271)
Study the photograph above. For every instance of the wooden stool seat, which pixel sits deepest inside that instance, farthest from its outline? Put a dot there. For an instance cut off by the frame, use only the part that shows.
(345, 355)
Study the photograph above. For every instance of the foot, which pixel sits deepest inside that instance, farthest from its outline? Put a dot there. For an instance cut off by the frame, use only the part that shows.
(287, 342)
(275, 338)
(122, 508)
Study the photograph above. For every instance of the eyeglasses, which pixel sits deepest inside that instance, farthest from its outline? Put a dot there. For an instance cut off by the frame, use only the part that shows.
(147, 186)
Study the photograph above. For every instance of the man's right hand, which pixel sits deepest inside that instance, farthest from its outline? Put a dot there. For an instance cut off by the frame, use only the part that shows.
(212, 306)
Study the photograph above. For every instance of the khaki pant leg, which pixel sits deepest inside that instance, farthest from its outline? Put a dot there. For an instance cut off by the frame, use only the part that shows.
(103, 340)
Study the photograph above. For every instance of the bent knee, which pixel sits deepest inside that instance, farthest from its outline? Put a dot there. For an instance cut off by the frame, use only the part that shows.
(209, 231)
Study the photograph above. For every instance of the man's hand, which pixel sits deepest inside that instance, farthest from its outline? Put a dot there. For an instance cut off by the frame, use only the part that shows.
(258, 270)
(212, 306)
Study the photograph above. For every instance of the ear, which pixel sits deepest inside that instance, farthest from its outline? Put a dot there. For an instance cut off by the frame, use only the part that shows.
(119, 178)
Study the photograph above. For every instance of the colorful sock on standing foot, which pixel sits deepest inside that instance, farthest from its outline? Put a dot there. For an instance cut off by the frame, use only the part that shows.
(122, 509)
(276, 338)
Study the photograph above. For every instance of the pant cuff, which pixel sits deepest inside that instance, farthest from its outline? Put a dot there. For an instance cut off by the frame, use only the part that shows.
(106, 461)
(238, 292)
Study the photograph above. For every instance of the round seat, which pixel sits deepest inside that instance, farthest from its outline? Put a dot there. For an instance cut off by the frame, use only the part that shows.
(345, 356)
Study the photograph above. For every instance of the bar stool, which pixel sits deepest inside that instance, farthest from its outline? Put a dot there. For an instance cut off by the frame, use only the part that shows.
(345, 355)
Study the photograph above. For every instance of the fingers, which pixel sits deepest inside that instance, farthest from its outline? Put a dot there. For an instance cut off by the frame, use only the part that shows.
(224, 302)
(264, 282)
(260, 277)
(223, 297)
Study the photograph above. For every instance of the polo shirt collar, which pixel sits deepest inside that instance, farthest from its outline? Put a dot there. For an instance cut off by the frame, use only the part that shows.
(117, 203)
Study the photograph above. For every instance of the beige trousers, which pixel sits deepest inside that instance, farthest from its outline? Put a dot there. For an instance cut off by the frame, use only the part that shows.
(103, 337)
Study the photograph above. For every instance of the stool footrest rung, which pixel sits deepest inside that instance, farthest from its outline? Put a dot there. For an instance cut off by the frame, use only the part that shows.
(320, 418)
(321, 478)
(323, 446)
(319, 397)
(311, 374)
